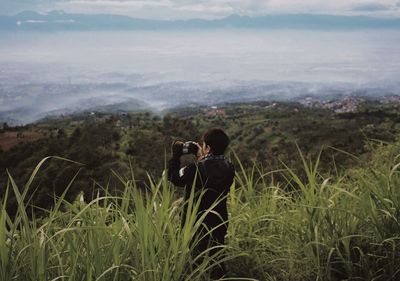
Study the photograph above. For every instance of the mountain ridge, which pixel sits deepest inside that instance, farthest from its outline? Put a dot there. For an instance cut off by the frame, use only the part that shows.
(60, 20)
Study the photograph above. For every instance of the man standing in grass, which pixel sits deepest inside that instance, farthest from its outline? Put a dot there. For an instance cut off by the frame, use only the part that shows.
(213, 175)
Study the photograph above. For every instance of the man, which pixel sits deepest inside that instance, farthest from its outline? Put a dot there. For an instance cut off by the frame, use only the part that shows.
(213, 175)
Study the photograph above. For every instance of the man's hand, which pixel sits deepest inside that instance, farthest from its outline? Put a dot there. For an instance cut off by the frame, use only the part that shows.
(200, 153)
(180, 148)
(177, 149)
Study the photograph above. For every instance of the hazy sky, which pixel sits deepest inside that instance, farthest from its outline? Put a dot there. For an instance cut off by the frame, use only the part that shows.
(183, 9)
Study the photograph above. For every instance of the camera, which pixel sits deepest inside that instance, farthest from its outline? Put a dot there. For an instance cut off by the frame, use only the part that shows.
(182, 148)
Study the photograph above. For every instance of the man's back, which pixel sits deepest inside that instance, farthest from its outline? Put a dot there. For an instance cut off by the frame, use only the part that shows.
(213, 175)
(216, 177)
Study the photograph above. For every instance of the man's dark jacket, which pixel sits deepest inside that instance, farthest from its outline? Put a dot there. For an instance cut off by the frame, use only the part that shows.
(214, 176)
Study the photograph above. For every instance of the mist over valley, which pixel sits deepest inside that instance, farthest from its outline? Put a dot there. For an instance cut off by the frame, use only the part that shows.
(51, 74)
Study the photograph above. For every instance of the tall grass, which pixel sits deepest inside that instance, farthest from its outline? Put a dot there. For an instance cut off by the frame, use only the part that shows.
(322, 228)
(136, 236)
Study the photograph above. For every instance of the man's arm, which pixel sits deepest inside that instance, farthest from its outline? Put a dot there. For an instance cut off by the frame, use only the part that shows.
(182, 177)
(174, 166)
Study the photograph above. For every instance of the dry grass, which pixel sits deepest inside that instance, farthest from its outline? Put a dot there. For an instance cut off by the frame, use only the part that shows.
(10, 139)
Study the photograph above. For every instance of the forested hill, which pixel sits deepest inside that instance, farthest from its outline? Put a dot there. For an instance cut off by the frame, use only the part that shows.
(113, 145)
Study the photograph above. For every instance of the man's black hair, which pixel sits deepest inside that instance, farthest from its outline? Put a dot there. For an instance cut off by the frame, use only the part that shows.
(217, 140)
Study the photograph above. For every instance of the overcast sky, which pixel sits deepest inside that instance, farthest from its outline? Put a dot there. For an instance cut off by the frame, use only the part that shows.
(183, 9)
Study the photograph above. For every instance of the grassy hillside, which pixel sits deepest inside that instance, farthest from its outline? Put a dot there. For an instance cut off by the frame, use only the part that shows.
(324, 227)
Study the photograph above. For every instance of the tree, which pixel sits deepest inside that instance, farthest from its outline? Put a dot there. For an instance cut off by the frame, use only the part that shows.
(5, 126)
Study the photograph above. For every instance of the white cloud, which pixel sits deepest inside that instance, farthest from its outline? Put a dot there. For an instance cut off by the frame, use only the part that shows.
(371, 7)
(338, 7)
(205, 8)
